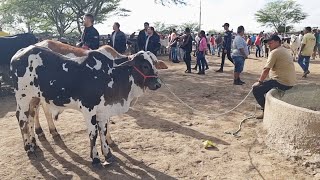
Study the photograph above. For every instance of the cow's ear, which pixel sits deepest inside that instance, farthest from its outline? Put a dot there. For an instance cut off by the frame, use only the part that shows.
(161, 65)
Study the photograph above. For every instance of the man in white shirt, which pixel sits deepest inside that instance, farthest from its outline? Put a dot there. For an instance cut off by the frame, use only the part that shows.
(239, 54)
(173, 46)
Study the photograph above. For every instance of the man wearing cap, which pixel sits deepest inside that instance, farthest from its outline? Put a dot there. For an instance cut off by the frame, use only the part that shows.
(280, 69)
(306, 50)
(142, 37)
(226, 46)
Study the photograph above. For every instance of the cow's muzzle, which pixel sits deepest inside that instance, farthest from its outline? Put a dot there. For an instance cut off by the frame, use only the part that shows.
(154, 86)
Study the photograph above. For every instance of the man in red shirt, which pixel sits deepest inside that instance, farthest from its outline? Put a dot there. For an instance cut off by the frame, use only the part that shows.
(257, 43)
(212, 44)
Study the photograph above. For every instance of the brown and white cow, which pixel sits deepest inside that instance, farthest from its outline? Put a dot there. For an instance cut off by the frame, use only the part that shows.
(72, 52)
(96, 85)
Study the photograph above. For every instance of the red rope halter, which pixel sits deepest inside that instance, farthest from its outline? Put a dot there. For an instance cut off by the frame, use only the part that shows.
(143, 75)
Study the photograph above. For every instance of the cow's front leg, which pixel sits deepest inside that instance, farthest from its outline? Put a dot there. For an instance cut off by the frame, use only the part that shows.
(103, 130)
(93, 133)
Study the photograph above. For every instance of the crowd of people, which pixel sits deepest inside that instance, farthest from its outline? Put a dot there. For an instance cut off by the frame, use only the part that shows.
(279, 65)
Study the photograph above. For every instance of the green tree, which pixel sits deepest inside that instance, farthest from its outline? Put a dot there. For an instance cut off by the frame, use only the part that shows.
(280, 13)
(57, 13)
(176, 2)
(100, 9)
(58, 16)
(61, 17)
(194, 27)
(282, 29)
(212, 31)
(15, 12)
(163, 28)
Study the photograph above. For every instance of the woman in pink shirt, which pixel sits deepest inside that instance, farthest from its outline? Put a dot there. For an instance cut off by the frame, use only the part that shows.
(201, 61)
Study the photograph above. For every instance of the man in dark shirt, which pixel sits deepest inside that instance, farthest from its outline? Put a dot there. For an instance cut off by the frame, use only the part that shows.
(90, 36)
(187, 47)
(118, 39)
(219, 42)
(226, 46)
(142, 37)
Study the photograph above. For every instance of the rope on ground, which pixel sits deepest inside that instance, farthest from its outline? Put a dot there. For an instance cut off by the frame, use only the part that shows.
(252, 116)
(200, 112)
(235, 134)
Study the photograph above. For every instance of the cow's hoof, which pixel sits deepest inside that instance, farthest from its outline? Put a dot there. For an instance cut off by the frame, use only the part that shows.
(96, 163)
(31, 152)
(112, 143)
(42, 137)
(56, 136)
(110, 158)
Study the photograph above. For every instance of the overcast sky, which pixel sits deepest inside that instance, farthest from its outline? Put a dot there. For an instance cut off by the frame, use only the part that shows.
(214, 14)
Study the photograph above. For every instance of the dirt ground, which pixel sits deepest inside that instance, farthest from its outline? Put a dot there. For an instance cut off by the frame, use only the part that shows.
(159, 138)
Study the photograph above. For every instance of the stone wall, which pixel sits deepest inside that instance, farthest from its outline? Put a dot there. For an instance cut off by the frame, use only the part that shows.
(291, 127)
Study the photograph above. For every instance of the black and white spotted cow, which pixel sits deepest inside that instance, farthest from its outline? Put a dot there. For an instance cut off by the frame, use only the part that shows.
(95, 85)
(71, 52)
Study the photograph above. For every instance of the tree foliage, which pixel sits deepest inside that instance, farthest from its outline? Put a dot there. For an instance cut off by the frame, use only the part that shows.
(100, 9)
(280, 13)
(57, 16)
(194, 27)
(163, 28)
(15, 12)
(61, 17)
(176, 2)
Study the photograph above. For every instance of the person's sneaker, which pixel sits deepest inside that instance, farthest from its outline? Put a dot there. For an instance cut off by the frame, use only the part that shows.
(187, 71)
(237, 82)
(207, 68)
(201, 73)
(306, 73)
(219, 71)
(260, 116)
(241, 81)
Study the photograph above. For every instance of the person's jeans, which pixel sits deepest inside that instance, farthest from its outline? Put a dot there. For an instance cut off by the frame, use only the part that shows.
(181, 53)
(303, 61)
(201, 61)
(258, 50)
(219, 49)
(212, 50)
(174, 55)
(260, 91)
(238, 63)
(223, 58)
(187, 60)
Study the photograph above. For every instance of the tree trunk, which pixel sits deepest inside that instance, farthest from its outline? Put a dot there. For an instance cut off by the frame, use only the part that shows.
(29, 27)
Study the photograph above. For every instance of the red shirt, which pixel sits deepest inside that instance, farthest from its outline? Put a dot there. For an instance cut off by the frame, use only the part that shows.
(212, 40)
(258, 41)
